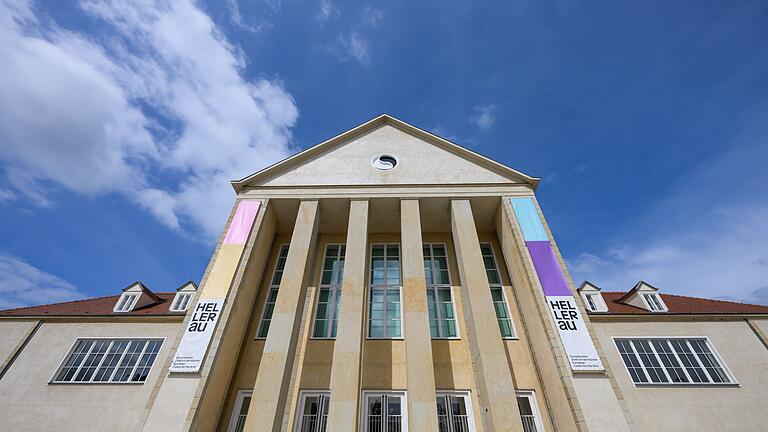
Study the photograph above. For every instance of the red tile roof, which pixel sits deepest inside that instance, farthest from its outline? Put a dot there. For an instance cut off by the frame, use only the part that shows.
(678, 304)
(95, 306)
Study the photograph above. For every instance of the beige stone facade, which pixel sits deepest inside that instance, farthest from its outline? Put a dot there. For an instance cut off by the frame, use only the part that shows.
(366, 297)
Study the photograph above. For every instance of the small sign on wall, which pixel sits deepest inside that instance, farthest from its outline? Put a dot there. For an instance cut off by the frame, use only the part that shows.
(194, 344)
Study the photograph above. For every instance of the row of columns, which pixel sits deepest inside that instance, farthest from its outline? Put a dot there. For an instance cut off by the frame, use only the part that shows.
(494, 379)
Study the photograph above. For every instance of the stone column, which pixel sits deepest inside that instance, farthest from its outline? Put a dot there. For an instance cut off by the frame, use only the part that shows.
(420, 374)
(269, 391)
(345, 371)
(489, 358)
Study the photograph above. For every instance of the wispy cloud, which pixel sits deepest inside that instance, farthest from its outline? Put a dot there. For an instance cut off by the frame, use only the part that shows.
(22, 284)
(328, 10)
(351, 46)
(483, 116)
(236, 17)
(372, 17)
(6, 195)
(164, 115)
(715, 260)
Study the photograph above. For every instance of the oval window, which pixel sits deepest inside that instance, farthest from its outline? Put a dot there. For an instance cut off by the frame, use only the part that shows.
(384, 162)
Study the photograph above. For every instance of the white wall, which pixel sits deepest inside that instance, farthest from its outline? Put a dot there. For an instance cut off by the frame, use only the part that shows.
(31, 404)
(12, 333)
(696, 408)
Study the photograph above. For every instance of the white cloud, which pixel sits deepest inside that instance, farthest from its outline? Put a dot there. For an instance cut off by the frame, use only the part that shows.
(372, 17)
(237, 18)
(352, 46)
(23, 285)
(484, 116)
(6, 195)
(160, 112)
(328, 10)
(717, 258)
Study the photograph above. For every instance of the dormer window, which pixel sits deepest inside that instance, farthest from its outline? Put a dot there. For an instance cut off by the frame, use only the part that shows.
(654, 304)
(126, 302)
(183, 297)
(593, 299)
(181, 302)
(135, 296)
(644, 296)
(591, 303)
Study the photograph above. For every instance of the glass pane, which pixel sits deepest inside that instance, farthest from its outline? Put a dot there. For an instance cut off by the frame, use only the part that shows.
(393, 405)
(709, 361)
(110, 361)
(374, 405)
(393, 272)
(525, 405)
(671, 364)
(457, 405)
(449, 328)
(244, 406)
(129, 360)
(631, 361)
(312, 405)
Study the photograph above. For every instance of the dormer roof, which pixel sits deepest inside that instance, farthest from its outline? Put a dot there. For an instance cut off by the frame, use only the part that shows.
(587, 285)
(139, 286)
(638, 286)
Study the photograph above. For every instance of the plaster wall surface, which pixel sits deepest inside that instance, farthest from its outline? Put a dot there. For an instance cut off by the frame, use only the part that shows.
(693, 408)
(419, 162)
(14, 333)
(38, 405)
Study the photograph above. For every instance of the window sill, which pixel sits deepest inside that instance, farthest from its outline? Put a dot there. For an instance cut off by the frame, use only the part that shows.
(322, 338)
(446, 338)
(384, 338)
(510, 338)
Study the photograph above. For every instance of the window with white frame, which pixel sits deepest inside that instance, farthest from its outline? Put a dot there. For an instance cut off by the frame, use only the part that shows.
(442, 315)
(313, 411)
(108, 361)
(529, 412)
(240, 411)
(690, 361)
(384, 309)
(497, 292)
(591, 301)
(126, 302)
(329, 293)
(653, 302)
(181, 301)
(269, 306)
(385, 412)
(454, 412)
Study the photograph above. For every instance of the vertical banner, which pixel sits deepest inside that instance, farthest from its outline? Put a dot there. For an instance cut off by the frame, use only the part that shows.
(189, 356)
(197, 336)
(579, 348)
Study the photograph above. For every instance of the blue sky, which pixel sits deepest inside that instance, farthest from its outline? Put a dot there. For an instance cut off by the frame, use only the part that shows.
(121, 123)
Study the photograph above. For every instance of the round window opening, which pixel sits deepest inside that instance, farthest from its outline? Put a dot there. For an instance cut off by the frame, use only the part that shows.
(384, 162)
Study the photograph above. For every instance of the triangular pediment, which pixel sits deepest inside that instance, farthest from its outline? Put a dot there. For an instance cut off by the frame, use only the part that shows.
(421, 158)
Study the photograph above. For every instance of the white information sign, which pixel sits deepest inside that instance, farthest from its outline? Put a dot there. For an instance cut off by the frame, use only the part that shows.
(581, 352)
(197, 336)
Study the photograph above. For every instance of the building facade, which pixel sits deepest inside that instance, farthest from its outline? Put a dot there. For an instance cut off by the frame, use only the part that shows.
(385, 280)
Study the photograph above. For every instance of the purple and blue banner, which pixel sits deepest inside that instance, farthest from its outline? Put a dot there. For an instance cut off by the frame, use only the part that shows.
(579, 348)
